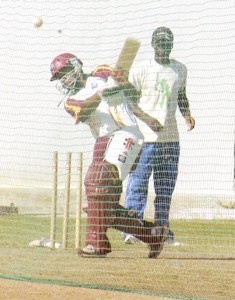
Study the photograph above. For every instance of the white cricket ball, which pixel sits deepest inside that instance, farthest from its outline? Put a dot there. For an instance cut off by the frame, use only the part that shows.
(38, 22)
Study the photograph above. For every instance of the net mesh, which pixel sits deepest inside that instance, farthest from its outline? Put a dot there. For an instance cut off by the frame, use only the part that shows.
(200, 264)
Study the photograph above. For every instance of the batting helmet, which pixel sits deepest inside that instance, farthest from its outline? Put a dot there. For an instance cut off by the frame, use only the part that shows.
(64, 60)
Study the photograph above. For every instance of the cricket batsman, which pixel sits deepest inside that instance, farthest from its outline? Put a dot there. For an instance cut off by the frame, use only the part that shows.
(100, 100)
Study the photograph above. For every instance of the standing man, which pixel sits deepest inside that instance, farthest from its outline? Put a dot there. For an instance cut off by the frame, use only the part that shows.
(161, 82)
(100, 102)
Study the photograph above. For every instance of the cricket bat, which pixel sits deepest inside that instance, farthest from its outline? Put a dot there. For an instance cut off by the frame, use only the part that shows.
(127, 55)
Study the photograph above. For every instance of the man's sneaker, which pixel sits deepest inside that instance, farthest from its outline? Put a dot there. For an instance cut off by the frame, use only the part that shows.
(90, 251)
(170, 240)
(130, 239)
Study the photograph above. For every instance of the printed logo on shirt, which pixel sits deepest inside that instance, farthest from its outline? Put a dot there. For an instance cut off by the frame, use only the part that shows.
(163, 88)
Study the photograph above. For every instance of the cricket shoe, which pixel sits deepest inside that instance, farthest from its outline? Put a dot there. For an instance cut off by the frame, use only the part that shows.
(156, 249)
(90, 251)
(131, 240)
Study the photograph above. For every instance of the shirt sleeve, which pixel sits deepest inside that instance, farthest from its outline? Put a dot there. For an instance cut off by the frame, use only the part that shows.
(74, 104)
(183, 77)
(73, 107)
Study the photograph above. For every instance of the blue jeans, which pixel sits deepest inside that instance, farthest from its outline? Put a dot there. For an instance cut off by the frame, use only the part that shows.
(162, 160)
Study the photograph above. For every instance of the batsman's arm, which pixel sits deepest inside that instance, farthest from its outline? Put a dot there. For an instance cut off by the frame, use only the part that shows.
(82, 109)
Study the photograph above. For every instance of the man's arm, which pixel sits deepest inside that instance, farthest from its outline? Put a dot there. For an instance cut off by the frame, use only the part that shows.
(81, 110)
(183, 104)
(133, 96)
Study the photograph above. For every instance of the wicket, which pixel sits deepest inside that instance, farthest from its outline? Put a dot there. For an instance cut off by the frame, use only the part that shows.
(66, 201)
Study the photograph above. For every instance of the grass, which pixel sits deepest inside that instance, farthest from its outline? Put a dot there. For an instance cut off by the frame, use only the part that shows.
(201, 268)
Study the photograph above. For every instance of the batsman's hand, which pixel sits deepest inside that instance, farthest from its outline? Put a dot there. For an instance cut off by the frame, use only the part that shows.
(120, 76)
(119, 82)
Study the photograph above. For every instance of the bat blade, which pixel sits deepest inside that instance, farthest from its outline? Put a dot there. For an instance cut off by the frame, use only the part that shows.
(127, 55)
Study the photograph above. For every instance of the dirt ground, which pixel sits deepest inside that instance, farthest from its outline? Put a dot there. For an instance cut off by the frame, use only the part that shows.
(18, 290)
